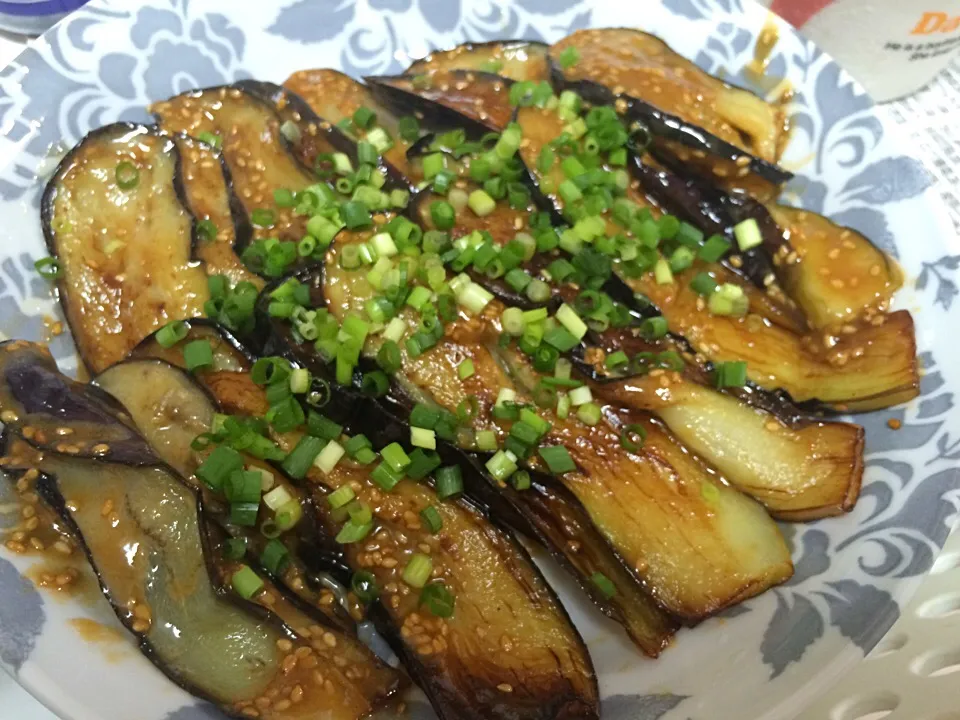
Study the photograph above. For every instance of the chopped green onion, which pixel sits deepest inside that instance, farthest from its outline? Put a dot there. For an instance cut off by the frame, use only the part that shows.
(218, 466)
(729, 300)
(275, 555)
(246, 583)
(418, 570)
(703, 284)
(653, 328)
(379, 138)
(301, 458)
(394, 455)
(277, 498)
(481, 203)
(328, 458)
(353, 532)
(557, 458)
(422, 464)
(243, 486)
(730, 374)
(748, 234)
(568, 317)
(172, 333)
(409, 128)
(431, 518)
(355, 215)
(288, 515)
(714, 248)
(235, 548)
(580, 396)
(616, 360)
(604, 585)
(322, 427)
(210, 138)
(423, 438)
(48, 268)
(632, 437)
(449, 482)
(438, 599)
(127, 175)
(341, 496)
(589, 413)
(465, 369)
(569, 57)
(197, 354)
(662, 273)
(375, 383)
(520, 480)
(244, 514)
(486, 440)
(442, 214)
(299, 381)
(502, 465)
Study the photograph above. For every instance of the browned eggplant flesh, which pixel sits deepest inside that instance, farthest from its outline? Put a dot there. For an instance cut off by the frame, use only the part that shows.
(117, 222)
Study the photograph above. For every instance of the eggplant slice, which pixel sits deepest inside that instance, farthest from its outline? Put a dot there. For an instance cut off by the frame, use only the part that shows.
(336, 97)
(163, 402)
(140, 527)
(730, 550)
(253, 148)
(518, 636)
(481, 97)
(116, 218)
(514, 59)
(836, 274)
(223, 224)
(722, 132)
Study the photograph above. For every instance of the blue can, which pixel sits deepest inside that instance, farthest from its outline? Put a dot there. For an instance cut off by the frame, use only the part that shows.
(32, 17)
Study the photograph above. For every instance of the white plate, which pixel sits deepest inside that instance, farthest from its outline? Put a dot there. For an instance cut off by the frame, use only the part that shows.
(764, 660)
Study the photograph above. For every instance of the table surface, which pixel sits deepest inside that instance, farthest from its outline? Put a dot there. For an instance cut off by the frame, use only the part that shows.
(906, 677)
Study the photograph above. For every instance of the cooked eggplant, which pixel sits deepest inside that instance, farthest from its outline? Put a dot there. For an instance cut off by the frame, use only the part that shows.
(163, 402)
(463, 663)
(873, 367)
(514, 59)
(692, 116)
(141, 530)
(481, 97)
(336, 97)
(640, 65)
(115, 218)
(170, 408)
(315, 137)
(222, 222)
(247, 129)
(744, 552)
(799, 468)
(836, 274)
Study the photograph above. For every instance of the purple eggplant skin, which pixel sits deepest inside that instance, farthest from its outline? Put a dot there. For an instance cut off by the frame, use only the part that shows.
(34, 394)
(711, 210)
(292, 108)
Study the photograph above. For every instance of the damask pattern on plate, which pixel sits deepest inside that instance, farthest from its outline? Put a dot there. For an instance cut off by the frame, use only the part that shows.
(108, 61)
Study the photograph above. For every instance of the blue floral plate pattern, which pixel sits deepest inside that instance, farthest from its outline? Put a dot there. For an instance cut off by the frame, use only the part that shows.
(764, 660)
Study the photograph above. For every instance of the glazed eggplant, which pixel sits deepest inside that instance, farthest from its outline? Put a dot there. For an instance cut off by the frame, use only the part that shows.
(336, 97)
(731, 549)
(116, 219)
(163, 403)
(222, 224)
(873, 367)
(835, 273)
(514, 59)
(171, 408)
(547, 512)
(481, 97)
(316, 139)
(798, 467)
(248, 132)
(141, 529)
(517, 637)
(723, 133)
